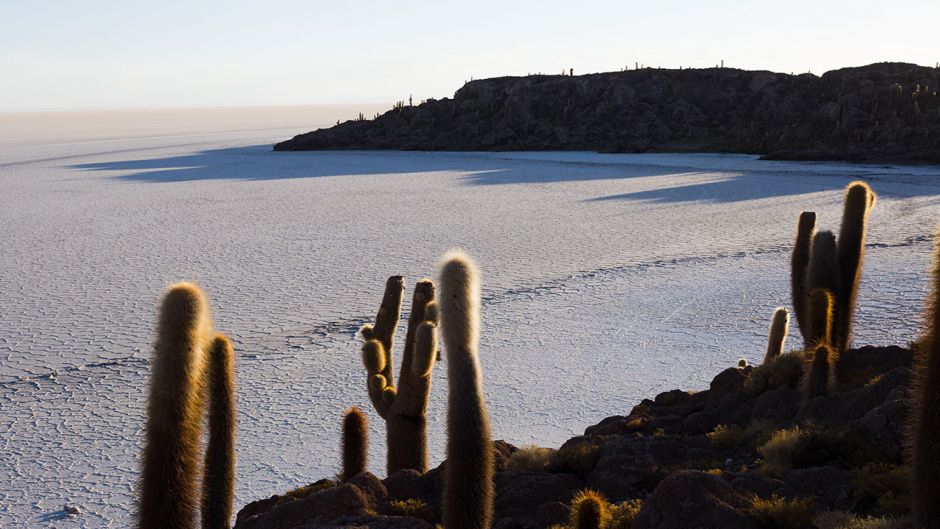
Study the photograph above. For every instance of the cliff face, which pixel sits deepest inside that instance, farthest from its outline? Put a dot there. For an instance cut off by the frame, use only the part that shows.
(880, 112)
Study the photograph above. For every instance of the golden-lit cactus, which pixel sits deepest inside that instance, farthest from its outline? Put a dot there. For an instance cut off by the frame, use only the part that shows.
(798, 264)
(403, 406)
(468, 474)
(777, 335)
(218, 483)
(925, 429)
(169, 482)
(589, 511)
(859, 200)
(355, 443)
(820, 317)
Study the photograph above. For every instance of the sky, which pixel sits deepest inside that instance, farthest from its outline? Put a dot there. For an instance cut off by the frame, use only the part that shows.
(104, 54)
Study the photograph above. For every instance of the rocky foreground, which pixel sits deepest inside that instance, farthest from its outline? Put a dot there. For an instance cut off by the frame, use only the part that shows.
(881, 112)
(750, 452)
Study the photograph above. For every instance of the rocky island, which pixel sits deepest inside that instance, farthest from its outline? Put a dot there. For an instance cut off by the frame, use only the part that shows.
(885, 112)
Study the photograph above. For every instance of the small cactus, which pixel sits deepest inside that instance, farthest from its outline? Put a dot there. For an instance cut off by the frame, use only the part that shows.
(859, 200)
(778, 334)
(403, 406)
(355, 443)
(169, 481)
(218, 483)
(468, 474)
(589, 511)
(925, 430)
(798, 264)
(818, 380)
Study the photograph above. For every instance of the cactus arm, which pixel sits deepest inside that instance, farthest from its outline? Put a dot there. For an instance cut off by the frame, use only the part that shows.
(798, 265)
(218, 484)
(859, 199)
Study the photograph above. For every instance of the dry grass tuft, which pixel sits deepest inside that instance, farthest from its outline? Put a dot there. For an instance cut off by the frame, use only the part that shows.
(530, 458)
(783, 513)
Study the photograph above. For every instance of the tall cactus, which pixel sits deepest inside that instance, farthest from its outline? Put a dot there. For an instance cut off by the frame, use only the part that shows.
(355, 443)
(859, 199)
(925, 431)
(820, 318)
(798, 263)
(468, 478)
(403, 406)
(218, 483)
(778, 334)
(169, 477)
(822, 284)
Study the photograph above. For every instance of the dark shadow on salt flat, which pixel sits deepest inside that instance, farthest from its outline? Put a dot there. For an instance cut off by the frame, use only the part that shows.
(730, 184)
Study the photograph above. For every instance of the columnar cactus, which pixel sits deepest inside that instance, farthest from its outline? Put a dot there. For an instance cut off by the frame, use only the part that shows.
(218, 483)
(778, 334)
(798, 264)
(822, 276)
(355, 443)
(818, 379)
(468, 478)
(403, 406)
(859, 199)
(925, 431)
(170, 475)
(820, 318)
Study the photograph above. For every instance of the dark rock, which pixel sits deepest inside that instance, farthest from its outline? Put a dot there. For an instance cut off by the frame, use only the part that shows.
(694, 500)
(518, 495)
(869, 113)
(553, 513)
(320, 508)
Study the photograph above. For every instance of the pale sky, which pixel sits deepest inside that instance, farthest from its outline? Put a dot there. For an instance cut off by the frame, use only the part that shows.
(91, 54)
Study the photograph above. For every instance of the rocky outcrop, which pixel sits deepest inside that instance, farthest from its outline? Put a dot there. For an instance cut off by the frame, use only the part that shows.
(693, 458)
(880, 112)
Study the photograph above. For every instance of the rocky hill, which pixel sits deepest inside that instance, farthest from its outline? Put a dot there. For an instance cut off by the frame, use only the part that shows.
(881, 112)
(750, 452)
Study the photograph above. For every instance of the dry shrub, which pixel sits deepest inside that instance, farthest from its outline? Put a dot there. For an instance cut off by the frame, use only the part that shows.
(783, 370)
(530, 458)
(782, 513)
(725, 437)
(578, 459)
(846, 520)
(412, 507)
(778, 452)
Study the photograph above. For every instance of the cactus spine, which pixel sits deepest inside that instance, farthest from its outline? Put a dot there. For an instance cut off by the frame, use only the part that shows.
(859, 199)
(218, 484)
(778, 334)
(403, 406)
(468, 478)
(355, 443)
(798, 264)
(589, 511)
(169, 477)
(925, 431)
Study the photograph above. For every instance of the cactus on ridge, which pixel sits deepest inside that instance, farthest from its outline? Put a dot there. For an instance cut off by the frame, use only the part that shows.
(859, 200)
(589, 511)
(218, 483)
(403, 406)
(468, 475)
(778, 334)
(169, 480)
(925, 413)
(355, 443)
(798, 264)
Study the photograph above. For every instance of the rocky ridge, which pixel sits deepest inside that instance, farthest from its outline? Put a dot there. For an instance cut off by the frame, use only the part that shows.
(710, 459)
(886, 112)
